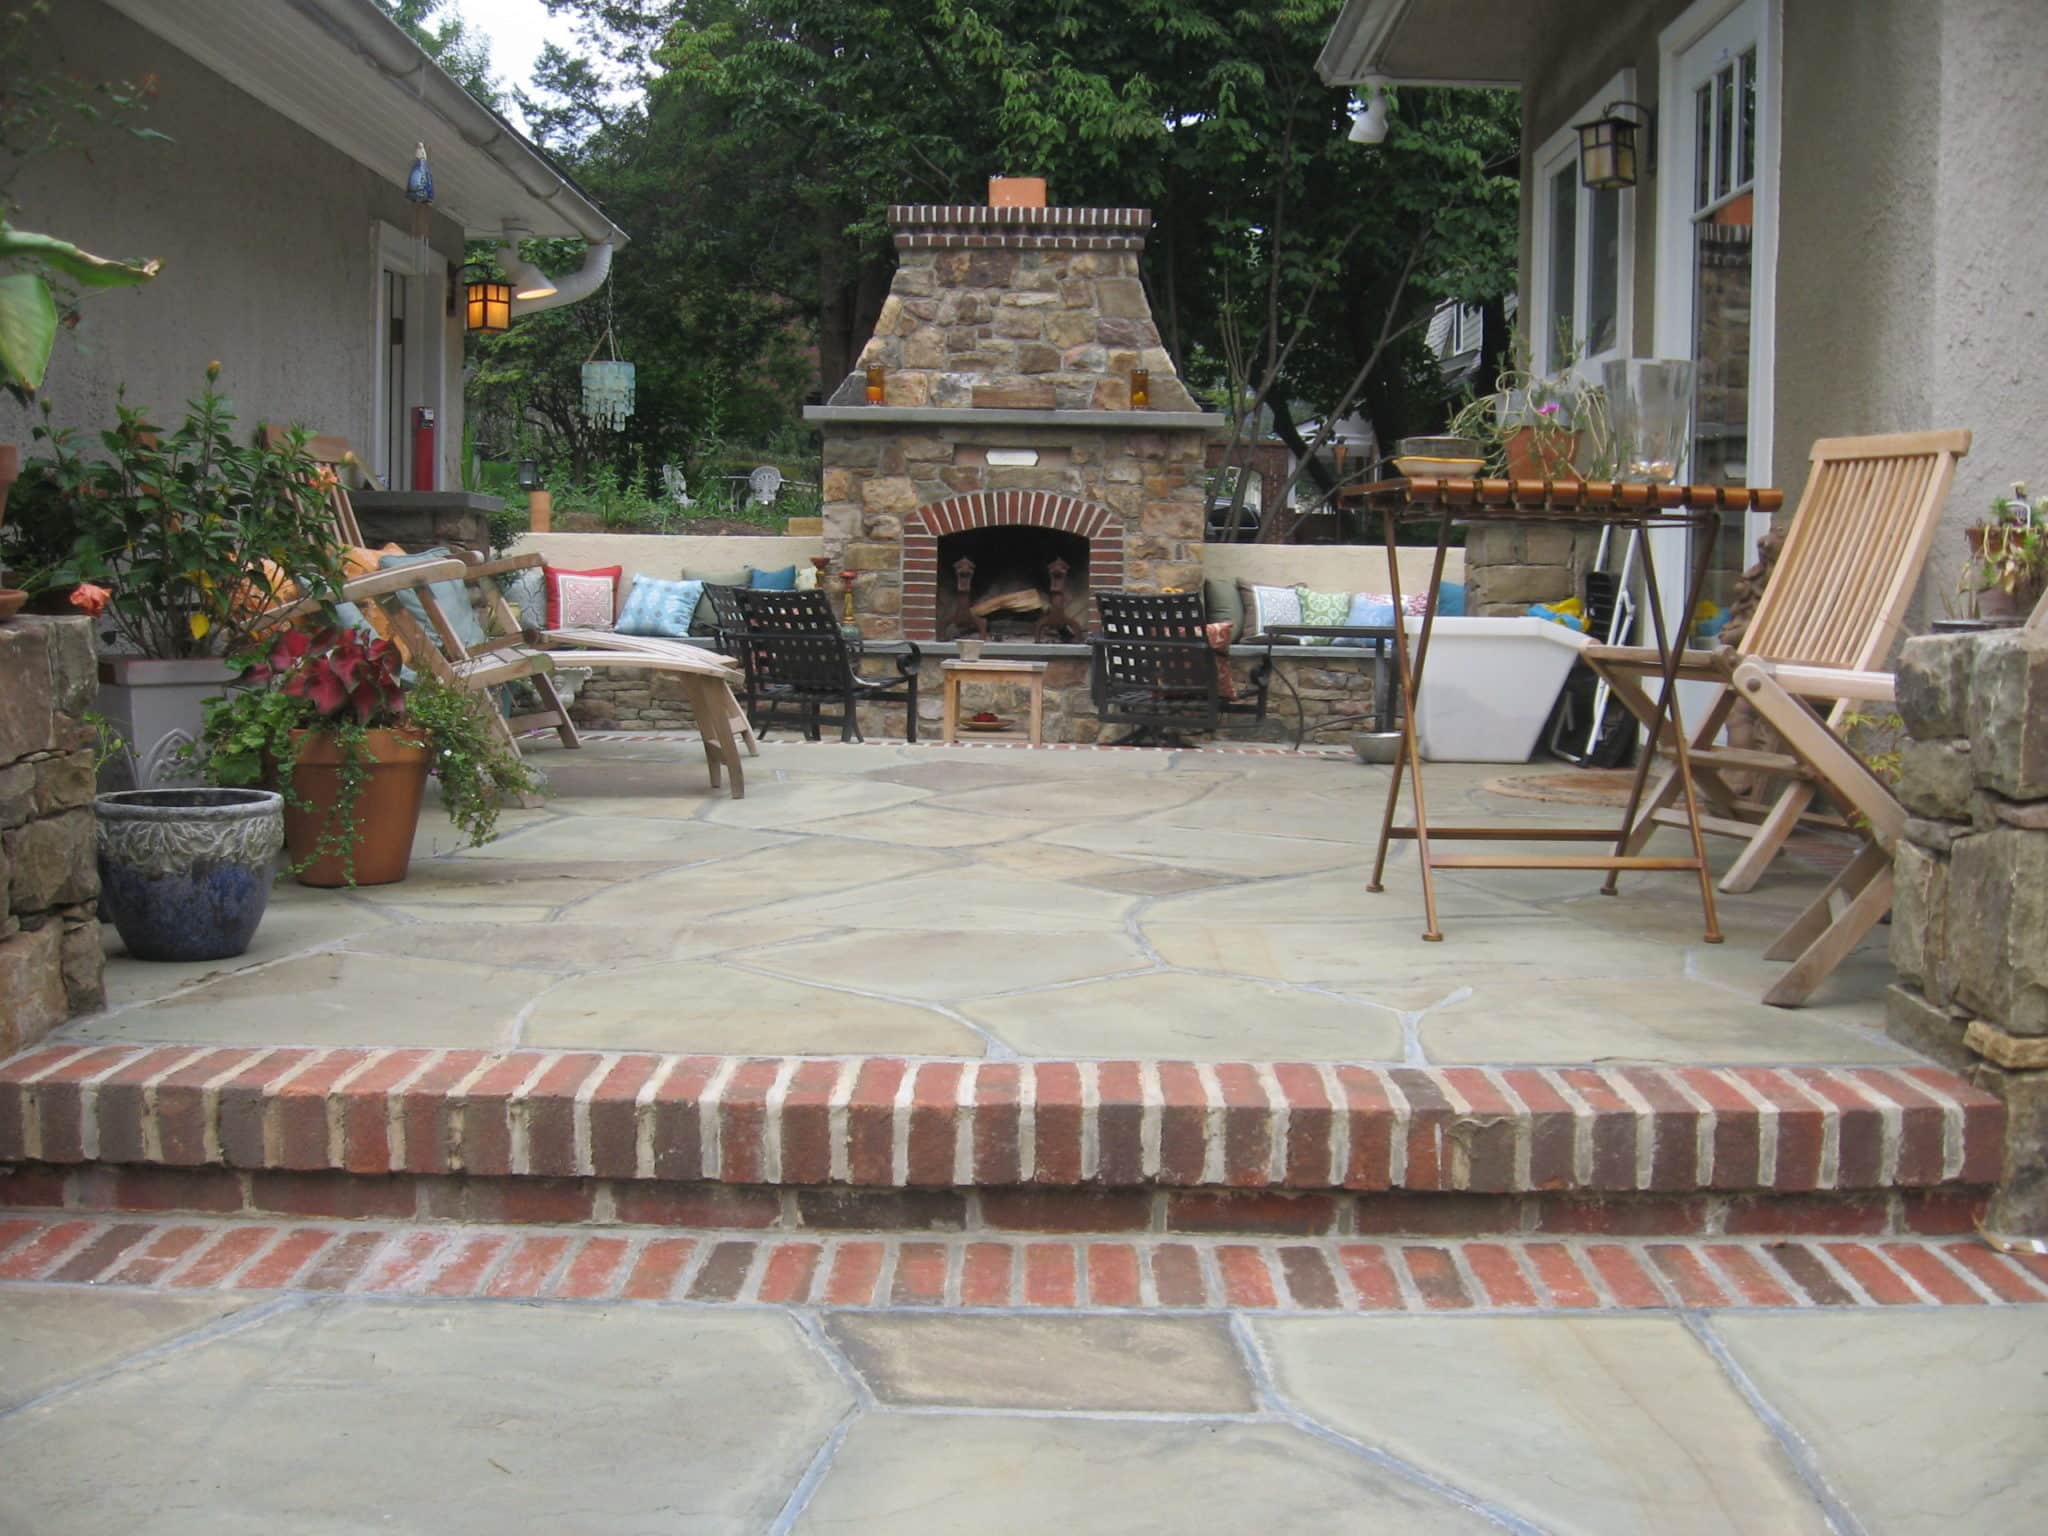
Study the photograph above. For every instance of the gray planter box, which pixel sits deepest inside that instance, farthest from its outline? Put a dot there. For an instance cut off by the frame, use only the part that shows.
(156, 707)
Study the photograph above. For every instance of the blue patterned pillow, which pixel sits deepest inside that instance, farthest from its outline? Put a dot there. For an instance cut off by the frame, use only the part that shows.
(658, 607)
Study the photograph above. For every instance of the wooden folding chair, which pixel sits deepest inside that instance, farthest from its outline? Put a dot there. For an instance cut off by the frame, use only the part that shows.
(1836, 600)
(1857, 898)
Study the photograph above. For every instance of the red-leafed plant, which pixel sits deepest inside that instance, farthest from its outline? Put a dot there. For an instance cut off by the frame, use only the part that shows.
(339, 672)
(345, 684)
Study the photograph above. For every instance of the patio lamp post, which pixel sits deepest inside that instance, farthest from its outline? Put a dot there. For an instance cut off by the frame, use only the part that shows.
(540, 504)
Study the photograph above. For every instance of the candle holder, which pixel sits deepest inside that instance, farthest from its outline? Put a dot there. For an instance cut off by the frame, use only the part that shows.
(846, 580)
(874, 376)
(1141, 388)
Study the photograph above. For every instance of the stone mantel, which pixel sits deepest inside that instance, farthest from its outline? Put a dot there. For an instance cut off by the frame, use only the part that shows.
(1213, 423)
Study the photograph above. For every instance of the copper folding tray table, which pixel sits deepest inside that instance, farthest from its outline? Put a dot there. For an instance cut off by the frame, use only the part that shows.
(1636, 508)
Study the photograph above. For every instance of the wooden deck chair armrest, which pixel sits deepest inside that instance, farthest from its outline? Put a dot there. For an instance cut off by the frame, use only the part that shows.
(358, 589)
(504, 565)
(1823, 682)
(401, 578)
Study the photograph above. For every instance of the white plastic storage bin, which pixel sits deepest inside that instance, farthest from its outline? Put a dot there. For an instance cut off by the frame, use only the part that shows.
(1489, 685)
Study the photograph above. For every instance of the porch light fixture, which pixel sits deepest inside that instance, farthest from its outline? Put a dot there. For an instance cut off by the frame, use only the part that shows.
(488, 303)
(1607, 147)
(529, 475)
(1369, 126)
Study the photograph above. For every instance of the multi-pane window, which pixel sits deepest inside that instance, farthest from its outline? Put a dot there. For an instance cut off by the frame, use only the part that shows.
(1724, 133)
(1582, 255)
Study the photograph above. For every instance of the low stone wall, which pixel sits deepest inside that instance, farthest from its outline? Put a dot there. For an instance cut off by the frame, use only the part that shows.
(50, 959)
(1330, 685)
(1970, 918)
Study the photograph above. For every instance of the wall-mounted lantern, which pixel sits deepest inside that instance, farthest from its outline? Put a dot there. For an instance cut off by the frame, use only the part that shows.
(487, 302)
(1608, 149)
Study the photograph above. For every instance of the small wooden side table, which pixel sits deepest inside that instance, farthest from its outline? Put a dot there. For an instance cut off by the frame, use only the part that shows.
(1031, 673)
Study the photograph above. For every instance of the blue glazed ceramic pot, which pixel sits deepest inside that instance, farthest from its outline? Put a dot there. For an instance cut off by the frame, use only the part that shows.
(185, 873)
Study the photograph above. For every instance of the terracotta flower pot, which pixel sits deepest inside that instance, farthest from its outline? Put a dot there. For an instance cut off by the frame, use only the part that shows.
(387, 811)
(1539, 453)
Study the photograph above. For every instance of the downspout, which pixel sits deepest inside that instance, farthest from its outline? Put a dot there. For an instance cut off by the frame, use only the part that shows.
(551, 292)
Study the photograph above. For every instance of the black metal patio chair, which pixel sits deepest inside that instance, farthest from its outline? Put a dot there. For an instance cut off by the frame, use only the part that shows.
(1154, 669)
(797, 658)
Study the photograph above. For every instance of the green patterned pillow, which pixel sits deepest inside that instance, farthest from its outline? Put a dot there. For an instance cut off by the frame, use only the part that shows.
(1324, 608)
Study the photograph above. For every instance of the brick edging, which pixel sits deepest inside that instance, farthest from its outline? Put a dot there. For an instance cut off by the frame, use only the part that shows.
(885, 1122)
(978, 1273)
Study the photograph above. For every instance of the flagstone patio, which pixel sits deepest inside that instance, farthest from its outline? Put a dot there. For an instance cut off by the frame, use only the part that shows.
(1002, 902)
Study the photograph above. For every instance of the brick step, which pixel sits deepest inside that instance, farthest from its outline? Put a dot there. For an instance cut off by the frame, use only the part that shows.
(98, 1188)
(1169, 1274)
(888, 1123)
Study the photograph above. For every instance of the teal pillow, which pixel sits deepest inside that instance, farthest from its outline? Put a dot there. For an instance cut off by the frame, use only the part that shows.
(783, 580)
(452, 597)
(658, 607)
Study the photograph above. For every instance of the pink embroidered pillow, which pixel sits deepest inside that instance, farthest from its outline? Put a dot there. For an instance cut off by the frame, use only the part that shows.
(582, 599)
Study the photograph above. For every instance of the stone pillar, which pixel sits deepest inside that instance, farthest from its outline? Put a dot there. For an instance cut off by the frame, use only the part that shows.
(1508, 566)
(50, 959)
(1970, 920)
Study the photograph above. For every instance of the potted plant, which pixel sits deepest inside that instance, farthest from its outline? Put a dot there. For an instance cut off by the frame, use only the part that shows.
(1535, 426)
(180, 540)
(330, 724)
(2008, 564)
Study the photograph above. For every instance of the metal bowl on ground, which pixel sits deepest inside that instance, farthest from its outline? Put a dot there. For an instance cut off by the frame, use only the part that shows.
(1376, 747)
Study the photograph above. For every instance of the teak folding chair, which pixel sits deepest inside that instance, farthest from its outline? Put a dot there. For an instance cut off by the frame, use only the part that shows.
(1836, 601)
(1857, 898)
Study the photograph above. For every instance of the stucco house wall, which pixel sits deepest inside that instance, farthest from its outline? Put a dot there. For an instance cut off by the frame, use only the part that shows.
(266, 235)
(1912, 270)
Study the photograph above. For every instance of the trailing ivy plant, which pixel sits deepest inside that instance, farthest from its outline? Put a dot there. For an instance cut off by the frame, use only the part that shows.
(345, 684)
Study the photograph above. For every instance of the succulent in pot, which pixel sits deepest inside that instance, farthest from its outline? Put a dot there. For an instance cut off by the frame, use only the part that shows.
(331, 724)
(186, 873)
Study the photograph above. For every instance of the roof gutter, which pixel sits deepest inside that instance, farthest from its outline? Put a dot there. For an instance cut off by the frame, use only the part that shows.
(386, 48)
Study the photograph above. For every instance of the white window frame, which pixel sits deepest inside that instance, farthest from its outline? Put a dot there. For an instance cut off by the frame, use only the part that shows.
(1557, 152)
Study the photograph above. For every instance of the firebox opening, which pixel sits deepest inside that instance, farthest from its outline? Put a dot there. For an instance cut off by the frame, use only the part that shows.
(1012, 584)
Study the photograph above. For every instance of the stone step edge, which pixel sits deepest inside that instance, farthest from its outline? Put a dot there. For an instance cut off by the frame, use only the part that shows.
(1181, 1274)
(889, 1122)
(1942, 1210)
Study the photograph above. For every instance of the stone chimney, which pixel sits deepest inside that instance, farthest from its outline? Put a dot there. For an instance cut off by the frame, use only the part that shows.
(1006, 429)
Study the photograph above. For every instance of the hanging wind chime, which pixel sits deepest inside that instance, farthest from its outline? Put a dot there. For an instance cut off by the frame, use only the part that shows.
(607, 383)
(419, 193)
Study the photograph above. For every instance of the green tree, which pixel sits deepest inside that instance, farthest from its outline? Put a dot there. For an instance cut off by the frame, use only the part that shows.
(451, 43)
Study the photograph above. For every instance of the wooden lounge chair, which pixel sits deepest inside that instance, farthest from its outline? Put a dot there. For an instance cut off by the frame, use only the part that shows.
(797, 657)
(1153, 668)
(454, 652)
(1835, 600)
(1857, 898)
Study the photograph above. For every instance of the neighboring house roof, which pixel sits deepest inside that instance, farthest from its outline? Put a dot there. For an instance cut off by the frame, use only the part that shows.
(348, 74)
(1450, 42)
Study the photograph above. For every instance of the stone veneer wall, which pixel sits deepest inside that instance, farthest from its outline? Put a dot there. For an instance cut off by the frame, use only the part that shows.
(50, 959)
(1011, 328)
(1970, 918)
(900, 490)
(1329, 688)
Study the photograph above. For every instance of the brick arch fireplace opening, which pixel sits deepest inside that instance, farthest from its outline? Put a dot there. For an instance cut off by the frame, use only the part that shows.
(1012, 537)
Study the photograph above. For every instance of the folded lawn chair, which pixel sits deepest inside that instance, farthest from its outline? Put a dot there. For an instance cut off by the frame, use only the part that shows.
(797, 657)
(1861, 894)
(1835, 600)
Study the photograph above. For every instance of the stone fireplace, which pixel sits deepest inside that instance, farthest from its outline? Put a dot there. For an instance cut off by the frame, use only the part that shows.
(1006, 433)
